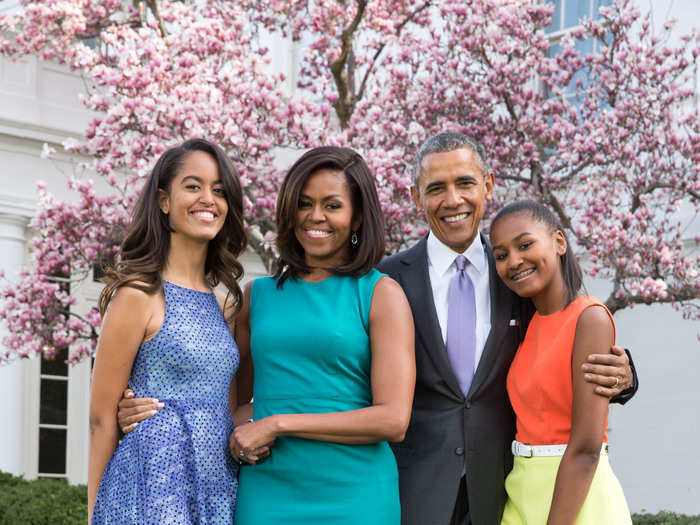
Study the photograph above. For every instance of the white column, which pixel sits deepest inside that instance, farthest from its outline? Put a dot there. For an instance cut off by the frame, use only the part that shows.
(12, 247)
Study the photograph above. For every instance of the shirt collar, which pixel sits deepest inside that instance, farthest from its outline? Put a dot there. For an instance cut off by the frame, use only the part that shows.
(442, 256)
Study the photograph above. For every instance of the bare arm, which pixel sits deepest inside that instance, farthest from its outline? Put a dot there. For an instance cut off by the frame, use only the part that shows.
(123, 330)
(244, 376)
(243, 384)
(594, 334)
(392, 377)
(242, 411)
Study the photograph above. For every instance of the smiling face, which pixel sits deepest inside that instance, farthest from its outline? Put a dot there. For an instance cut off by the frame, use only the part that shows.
(325, 219)
(196, 200)
(452, 191)
(528, 259)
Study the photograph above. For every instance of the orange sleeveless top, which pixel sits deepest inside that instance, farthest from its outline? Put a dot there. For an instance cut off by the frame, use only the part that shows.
(539, 380)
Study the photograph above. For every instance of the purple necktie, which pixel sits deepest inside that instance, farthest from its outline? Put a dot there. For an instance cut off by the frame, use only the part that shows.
(461, 325)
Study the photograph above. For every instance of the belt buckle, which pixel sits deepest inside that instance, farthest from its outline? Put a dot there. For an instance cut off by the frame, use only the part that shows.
(522, 450)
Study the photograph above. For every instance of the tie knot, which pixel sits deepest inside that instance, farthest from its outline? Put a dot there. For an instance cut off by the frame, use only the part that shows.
(461, 262)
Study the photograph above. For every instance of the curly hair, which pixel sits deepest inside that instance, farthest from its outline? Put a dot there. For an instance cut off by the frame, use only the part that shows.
(144, 251)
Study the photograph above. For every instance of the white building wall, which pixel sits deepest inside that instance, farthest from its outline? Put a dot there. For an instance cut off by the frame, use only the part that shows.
(653, 437)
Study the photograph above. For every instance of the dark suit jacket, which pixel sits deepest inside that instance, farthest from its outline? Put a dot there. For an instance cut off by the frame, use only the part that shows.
(444, 424)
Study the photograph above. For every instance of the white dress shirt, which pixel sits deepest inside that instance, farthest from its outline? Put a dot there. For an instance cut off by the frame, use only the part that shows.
(441, 268)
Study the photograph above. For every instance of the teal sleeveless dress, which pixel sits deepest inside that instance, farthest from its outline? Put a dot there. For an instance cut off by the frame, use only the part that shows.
(311, 354)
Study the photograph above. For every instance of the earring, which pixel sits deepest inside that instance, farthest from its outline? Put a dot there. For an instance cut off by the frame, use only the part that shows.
(353, 238)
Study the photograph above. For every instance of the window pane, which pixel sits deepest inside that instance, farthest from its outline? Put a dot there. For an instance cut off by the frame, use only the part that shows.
(575, 11)
(554, 50)
(556, 17)
(584, 47)
(598, 4)
(52, 451)
(55, 365)
(54, 398)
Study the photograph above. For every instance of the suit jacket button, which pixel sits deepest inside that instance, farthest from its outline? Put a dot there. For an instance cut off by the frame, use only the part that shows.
(468, 404)
(459, 451)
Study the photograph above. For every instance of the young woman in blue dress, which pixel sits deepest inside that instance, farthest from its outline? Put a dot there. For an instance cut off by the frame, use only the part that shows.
(165, 335)
(331, 341)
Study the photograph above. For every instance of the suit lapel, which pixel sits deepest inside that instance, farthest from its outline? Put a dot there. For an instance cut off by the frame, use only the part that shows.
(416, 281)
(500, 317)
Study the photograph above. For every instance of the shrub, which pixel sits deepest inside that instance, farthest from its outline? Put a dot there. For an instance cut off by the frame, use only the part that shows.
(665, 518)
(41, 502)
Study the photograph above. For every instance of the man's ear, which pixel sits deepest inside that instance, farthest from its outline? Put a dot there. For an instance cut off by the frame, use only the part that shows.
(415, 196)
(560, 242)
(164, 201)
(490, 182)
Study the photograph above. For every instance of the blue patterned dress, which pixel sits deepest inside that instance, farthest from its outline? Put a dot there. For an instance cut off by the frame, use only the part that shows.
(175, 467)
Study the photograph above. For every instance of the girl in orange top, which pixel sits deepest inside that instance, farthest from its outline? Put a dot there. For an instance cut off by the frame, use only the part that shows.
(561, 474)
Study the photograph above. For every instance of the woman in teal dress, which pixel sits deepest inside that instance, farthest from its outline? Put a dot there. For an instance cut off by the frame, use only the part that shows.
(331, 341)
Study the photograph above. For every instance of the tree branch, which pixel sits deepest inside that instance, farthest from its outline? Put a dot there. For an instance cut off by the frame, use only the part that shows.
(155, 9)
(346, 98)
(673, 296)
(372, 63)
(637, 201)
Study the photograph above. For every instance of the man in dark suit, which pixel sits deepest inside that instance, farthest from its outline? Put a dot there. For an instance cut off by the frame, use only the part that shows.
(456, 454)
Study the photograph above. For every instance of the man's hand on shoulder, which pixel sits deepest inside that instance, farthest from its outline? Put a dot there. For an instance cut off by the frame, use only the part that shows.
(611, 373)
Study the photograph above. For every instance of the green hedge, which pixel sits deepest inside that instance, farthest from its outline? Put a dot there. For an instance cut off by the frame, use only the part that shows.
(41, 502)
(54, 502)
(665, 518)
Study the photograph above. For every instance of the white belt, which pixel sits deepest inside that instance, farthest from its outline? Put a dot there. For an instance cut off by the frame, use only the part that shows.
(528, 451)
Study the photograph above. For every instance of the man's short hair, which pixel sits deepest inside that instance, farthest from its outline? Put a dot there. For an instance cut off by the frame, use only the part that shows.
(449, 141)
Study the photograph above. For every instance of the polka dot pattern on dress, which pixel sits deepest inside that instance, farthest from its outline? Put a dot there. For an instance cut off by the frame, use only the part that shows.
(175, 468)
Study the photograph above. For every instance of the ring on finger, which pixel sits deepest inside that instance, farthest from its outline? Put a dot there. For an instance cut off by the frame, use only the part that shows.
(242, 454)
(617, 382)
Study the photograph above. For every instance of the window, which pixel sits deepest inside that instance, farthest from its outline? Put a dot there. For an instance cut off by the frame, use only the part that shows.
(53, 407)
(53, 412)
(567, 13)
(566, 16)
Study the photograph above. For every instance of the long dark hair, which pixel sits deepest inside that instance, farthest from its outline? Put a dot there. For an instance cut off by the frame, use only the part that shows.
(145, 248)
(570, 269)
(369, 249)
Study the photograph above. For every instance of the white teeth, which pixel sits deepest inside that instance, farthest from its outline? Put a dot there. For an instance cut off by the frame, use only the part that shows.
(522, 275)
(204, 214)
(456, 218)
(318, 233)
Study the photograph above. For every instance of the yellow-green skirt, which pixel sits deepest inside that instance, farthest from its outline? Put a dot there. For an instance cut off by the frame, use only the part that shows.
(530, 487)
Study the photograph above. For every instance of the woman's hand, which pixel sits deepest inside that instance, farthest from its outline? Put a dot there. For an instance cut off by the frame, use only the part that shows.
(251, 442)
(134, 410)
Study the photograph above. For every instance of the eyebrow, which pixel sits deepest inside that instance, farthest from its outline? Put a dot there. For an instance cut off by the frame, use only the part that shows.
(498, 246)
(334, 196)
(198, 179)
(460, 178)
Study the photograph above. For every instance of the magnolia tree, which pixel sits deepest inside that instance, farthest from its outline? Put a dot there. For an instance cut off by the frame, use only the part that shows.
(601, 124)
